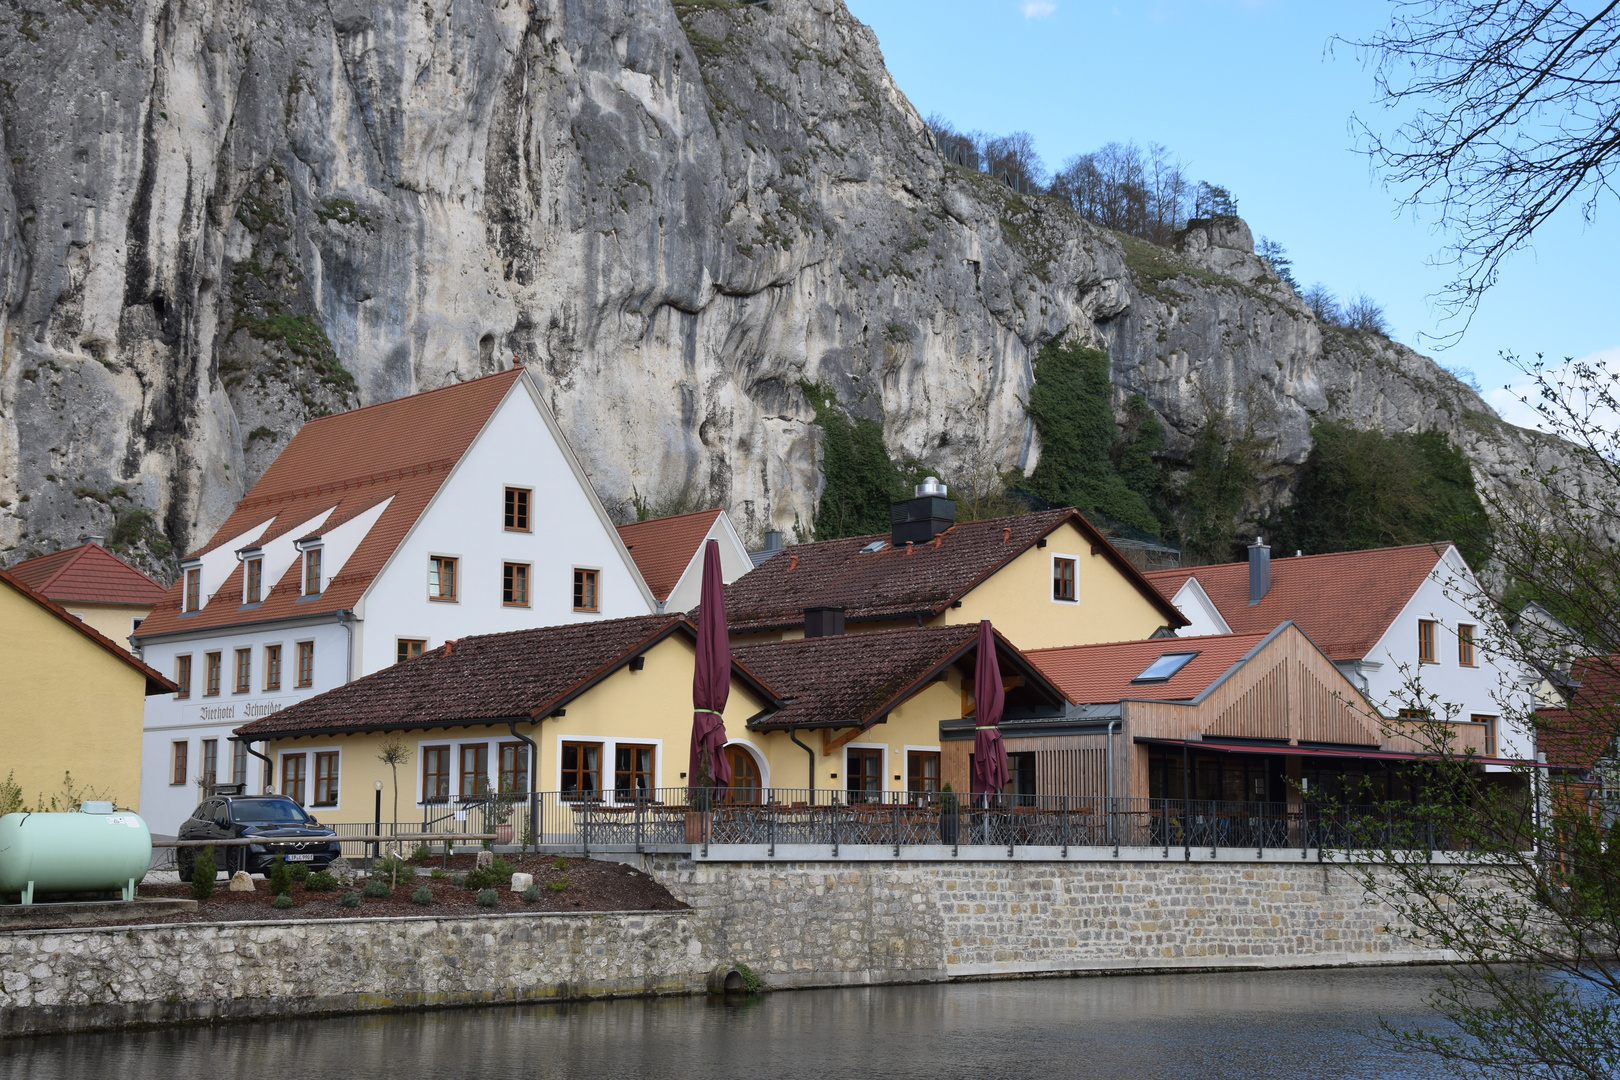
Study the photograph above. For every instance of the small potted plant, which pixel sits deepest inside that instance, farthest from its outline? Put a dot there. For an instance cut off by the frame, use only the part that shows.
(698, 798)
(949, 819)
(502, 813)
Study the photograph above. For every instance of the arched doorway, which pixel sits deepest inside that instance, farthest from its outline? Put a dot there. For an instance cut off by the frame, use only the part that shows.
(746, 782)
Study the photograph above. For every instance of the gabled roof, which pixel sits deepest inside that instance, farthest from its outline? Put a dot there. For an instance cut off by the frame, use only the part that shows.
(1102, 674)
(1577, 737)
(155, 683)
(891, 583)
(400, 450)
(88, 574)
(664, 547)
(518, 675)
(855, 680)
(1344, 601)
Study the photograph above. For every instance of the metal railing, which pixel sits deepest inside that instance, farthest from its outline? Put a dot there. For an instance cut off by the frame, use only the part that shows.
(682, 819)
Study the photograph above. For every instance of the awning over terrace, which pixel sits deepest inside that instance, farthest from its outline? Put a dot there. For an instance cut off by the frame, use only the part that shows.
(1338, 751)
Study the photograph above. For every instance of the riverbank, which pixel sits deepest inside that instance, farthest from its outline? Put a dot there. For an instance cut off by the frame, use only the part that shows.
(799, 925)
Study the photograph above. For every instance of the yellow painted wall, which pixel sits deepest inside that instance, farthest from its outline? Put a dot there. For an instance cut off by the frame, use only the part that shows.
(915, 723)
(66, 705)
(110, 619)
(1018, 599)
(653, 705)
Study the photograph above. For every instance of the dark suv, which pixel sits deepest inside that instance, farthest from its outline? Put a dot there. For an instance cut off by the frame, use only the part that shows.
(232, 817)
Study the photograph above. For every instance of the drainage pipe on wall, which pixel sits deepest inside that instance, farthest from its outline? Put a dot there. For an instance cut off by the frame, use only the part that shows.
(793, 733)
(534, 767)
(1113, 831)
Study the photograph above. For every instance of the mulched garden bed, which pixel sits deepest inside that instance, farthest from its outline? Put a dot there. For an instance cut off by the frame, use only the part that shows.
(563, 885)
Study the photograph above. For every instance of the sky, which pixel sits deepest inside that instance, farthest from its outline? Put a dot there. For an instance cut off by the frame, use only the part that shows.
(1254, 95)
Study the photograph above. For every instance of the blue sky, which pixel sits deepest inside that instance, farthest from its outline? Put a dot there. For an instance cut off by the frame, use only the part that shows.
(1250, 94)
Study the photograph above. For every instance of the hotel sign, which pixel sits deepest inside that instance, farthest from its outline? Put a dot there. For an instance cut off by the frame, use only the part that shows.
(235, 712)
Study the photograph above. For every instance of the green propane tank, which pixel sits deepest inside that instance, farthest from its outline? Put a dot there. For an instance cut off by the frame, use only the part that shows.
(94, 849)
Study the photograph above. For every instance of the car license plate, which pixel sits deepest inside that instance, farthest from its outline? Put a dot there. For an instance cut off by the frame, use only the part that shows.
(301, 858)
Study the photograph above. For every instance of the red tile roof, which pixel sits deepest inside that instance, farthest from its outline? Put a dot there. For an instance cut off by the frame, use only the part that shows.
(1576, 737)
(521, 674)
(1102, 674)
(1344, 602)
(890, 584)
(857, 679)
(155, 683)
(663, 547)
(88, 574)
(348, 463)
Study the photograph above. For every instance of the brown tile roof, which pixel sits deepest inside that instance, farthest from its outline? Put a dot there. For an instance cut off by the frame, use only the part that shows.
(1102, 674)
(1344, 602)
(890, 584)
(857, 679)
(519, 674)
(155, 683)
(663, 547)
(1576, 737)
(348, 463)
(88, 574)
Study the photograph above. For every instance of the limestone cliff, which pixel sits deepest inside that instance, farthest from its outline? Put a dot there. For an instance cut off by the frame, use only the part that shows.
(219, 218)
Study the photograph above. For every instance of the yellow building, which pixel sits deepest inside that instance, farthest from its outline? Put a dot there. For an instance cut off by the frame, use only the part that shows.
(71, 702)
(95, 586)
(605, 711)
(1043, 579)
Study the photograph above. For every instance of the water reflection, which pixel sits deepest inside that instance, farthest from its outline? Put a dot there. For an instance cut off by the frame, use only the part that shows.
(1248, 1026)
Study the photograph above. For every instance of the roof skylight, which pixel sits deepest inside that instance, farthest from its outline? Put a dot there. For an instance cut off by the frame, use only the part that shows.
(1165, 667)
(876, 545)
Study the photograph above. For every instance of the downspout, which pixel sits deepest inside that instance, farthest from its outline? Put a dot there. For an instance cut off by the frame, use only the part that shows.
(793, 733)
(269, 766)
(347, 620)
(534, 766)
(1113, 833)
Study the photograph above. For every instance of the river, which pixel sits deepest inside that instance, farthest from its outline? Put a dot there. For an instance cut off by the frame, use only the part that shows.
(1297, 1025)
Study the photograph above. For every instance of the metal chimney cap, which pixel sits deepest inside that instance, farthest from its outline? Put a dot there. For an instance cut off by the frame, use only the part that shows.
(930, 486)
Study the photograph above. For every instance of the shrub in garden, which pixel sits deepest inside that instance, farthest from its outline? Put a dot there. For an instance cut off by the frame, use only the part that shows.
(423, 896)
(557, 886)
(531, 894)
(298, 871)
(395, 871)
(377, 888)
(321, 881)
(203, 872)
(422, 853)
(495, 875)
(280, 877)
(349, 899)
(438, 874)
(458, 880)
(560, 864)
(488, 898)
(282, 902)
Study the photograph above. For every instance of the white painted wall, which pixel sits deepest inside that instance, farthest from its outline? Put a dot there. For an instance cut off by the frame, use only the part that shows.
(168, 719)
(1494, 687)
(734, 563)
(466, 520)
(1203, 616)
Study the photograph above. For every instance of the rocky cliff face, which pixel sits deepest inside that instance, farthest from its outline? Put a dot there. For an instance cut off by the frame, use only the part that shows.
(219, 218)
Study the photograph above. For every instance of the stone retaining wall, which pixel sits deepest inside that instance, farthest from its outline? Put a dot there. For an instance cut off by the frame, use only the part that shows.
(797, 924)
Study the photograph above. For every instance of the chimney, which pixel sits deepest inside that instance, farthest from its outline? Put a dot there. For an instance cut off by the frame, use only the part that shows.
(823, 622)
(1259, 570)
(920, 519)
(773, 540)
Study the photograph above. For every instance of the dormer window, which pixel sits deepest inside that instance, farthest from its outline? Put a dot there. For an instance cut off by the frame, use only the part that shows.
(193, 588)
(252, 579)
(311, 548)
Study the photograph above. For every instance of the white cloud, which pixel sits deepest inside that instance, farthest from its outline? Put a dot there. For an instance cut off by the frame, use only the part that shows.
(1516, 402)
(1038, 9)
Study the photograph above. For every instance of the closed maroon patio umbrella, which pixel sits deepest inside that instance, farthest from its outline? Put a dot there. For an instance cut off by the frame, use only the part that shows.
(711, 678)
(989, 754)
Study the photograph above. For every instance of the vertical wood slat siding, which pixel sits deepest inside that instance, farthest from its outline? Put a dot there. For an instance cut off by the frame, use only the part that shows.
(1072, 765)
(1261, 712)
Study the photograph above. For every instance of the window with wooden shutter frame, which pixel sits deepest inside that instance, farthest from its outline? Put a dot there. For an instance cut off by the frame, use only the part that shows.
(515, 585)
(211, 674)
(252, 580)
(517, 510)
(441, 578)
(436, 773)
(587, 596)
(1426, 652)
(272, 667)
(306, 663)
(244, 670)
(1465, 645)
(326, 778)
(1063, 588)
(182, 676)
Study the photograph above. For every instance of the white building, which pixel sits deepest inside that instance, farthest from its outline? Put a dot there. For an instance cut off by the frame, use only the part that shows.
(1384, 617)
(669, 552)
(376, 534)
